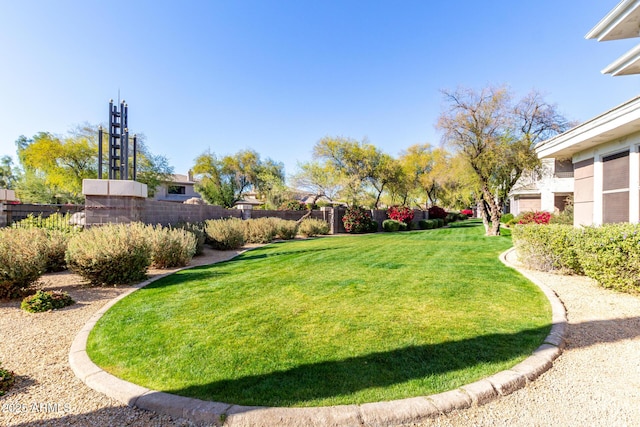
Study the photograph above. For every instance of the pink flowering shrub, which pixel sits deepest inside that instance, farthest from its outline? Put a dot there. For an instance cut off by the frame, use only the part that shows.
(400, 213)
(436, 212)
(534, 218)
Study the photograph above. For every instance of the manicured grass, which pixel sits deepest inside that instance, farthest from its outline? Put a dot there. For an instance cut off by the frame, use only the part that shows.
(335, 320)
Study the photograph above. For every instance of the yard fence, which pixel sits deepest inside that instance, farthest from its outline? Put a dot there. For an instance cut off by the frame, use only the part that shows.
(99, 210)
(12, 214)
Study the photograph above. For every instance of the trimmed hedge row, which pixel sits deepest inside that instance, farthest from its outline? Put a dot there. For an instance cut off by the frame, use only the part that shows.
(610, 254)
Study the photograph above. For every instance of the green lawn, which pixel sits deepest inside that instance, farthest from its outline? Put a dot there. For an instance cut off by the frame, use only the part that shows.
(335, 320)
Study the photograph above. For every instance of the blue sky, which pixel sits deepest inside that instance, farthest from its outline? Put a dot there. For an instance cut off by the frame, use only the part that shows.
(277, 76)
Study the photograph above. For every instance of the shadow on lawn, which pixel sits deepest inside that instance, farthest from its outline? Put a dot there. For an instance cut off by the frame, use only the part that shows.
(306, 383)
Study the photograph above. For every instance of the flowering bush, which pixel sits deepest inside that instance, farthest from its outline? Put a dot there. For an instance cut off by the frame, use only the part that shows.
(400, 213)
(45, 301)
(467, 212)
(357, 220)
(534, 218)
(436, 212)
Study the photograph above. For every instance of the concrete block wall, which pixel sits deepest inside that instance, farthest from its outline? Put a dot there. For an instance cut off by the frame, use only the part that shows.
(113, 209)
(165, 213)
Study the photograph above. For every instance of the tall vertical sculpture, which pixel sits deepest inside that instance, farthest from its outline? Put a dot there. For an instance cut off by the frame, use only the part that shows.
(118, 144)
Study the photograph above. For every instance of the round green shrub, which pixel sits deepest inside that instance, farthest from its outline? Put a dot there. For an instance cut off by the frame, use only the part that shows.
(7, 379)
(45, 301)
(310, 227)
(548, 247)
(287, 229)
(610, 254)
(225, 234)
(111, 254)
(439, 222)
(390, 225)
(23, 259)
(505, 218)
(171, 247)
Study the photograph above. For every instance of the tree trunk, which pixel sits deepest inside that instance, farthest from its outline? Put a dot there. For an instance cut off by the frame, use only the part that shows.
(310, 208)
(491, 212)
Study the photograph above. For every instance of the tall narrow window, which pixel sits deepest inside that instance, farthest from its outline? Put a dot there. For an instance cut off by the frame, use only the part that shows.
(615, 188)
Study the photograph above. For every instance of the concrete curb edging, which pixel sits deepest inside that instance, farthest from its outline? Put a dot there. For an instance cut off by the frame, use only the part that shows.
(403, 411)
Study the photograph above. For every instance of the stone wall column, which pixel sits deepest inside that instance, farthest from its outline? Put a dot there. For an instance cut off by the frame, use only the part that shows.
(113, 201)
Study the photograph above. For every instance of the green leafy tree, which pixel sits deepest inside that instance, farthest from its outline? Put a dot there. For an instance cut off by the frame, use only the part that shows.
(226, 180)
(55, 166)
(496, 138)
(358, 166)
(8, 174)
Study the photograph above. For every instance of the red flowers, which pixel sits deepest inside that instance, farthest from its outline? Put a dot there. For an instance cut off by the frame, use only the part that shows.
(535, 218)
(400, 213)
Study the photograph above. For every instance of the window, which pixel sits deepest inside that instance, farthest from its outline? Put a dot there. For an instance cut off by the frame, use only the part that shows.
(176, 189)
(615, 197)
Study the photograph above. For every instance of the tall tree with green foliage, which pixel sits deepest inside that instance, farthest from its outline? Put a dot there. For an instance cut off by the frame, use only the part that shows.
(224, 181)
(358, 166)
(496, 138)
(8, 174)
(54, 166)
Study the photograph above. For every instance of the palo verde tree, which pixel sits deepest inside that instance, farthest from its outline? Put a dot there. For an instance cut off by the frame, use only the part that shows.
(496, 138)
(54, 166)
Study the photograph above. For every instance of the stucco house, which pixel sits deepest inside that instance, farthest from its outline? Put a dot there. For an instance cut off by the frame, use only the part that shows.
(546, 190)
(605, 151)
(178, 190)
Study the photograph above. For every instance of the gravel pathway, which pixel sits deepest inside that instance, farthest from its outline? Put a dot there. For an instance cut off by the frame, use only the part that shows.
(595, 382)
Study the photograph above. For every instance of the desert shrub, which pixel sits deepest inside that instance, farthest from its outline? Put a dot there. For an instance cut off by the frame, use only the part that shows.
(610, 254)
(197, 228)
(287, 229)
(57, 242)
(436, 212)
(170, 247)
(357, 220)
(45, 301)
(7, 379)
(310, 227)
(225, 234)
(505, 218)
(293, 205)
(533, 218)
(111, 254)
(260, 230)
(23, 259)
(548, 247)
(390, 225)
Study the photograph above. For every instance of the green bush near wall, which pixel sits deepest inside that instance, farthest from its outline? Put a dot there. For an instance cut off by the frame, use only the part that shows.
(609, 254)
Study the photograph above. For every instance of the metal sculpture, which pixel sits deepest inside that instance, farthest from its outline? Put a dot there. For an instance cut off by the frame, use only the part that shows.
(118, 144)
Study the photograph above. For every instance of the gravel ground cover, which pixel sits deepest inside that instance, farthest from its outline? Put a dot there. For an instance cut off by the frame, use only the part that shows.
(596, 381)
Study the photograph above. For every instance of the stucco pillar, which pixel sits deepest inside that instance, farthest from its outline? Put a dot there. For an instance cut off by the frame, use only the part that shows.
(598, 180)
(113, 201)
(634, 184)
